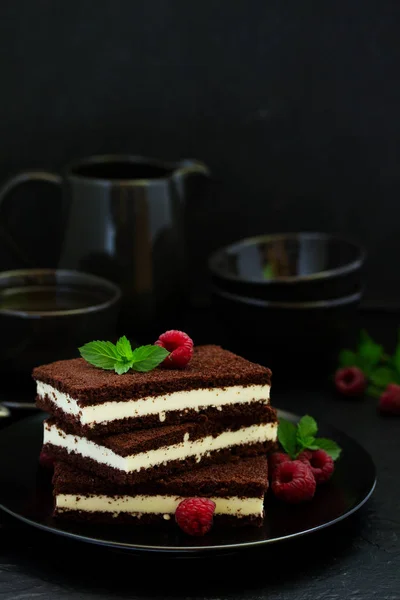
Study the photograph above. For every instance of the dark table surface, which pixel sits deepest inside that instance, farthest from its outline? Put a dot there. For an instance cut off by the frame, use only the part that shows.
(356, 559)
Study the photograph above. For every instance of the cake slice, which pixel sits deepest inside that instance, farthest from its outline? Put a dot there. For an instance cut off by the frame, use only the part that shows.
(130, 458)
(217, 385)
(237, 488)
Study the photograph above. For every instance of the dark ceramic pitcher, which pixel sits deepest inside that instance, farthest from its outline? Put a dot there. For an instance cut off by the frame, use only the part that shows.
(122, 218)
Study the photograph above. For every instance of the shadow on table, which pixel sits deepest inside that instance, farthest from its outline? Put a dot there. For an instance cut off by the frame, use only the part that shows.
(87, 568)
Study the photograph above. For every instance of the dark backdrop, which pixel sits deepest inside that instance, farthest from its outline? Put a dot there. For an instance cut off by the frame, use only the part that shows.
(293, 104)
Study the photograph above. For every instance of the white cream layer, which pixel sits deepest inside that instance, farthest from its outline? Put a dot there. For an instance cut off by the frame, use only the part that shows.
(165, 505)
(153, 405)
(146, 460)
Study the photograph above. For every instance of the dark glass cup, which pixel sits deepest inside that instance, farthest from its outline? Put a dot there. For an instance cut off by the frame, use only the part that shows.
(45, 315)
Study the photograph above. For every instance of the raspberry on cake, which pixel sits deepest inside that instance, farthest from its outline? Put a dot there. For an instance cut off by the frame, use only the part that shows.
(216, 385)
(237, 490)
(179, 346)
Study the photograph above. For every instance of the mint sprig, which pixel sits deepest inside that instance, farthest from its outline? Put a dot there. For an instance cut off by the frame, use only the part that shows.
(120, 357)
(296, 438)
(379, 368)
(287, 433)
(366, 357)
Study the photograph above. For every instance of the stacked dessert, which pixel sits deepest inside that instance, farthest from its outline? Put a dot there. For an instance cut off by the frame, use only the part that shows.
(134, 446)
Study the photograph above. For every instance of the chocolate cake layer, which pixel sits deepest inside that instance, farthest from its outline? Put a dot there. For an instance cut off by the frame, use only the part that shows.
(210, 366)
(245, 477)
(152, 519)
(135, 442)
(236, 488)
(148, 454)
(228, 415)
(160, 471)
(96, 402)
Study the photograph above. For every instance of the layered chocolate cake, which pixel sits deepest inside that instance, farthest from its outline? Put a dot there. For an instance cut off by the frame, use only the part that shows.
(237, 488)
(140, 446)
(216, 386)
(130, 458)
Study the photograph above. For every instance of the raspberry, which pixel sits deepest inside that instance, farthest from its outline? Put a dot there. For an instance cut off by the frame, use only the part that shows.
(321, 464)
(46, 460)
(293, 482)
(350, 381)
(389, 402)
(275, 459)
(180, 346)
(195, 515)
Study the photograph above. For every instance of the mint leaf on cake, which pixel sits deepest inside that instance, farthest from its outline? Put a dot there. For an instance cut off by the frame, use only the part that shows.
(124, 348)
(146, 358)
(172, 350)
(121, 358)
(103, 355)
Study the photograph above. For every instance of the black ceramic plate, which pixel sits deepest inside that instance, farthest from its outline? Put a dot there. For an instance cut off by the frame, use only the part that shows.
(25, 493)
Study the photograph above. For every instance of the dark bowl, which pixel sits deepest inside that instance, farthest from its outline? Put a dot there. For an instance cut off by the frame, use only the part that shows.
(296, 340)
(46, 314)
(292, 267)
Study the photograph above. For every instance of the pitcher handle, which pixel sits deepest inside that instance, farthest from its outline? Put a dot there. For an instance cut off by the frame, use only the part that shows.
(9, 186)
(185, 169)
(191, 166)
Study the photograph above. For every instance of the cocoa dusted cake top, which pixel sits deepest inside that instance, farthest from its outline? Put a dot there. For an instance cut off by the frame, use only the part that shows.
(211, 366)
(245, 478)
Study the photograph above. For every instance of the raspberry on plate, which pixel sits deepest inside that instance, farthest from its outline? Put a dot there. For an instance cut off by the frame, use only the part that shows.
(350, 381)
(389, 402)
(180, 347)
(195, 515)
(321, 464)
(293, 482)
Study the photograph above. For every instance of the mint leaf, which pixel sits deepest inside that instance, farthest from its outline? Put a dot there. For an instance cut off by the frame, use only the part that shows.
(329, 446)
(382, 376)
(306, 430)
(146, 358)
(287, 436)
(369, 353)
(100, 354)
(124, 348)
(122, 367)
(306, 427)
(306, 442)
(121, 357)
(347, 358)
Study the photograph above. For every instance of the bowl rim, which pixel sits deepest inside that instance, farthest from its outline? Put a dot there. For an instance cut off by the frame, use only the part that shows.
(60, 275)
(288, 279)
(317, 304)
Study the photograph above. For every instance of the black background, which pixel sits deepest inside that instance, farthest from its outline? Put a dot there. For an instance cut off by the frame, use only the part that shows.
(294, 106)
